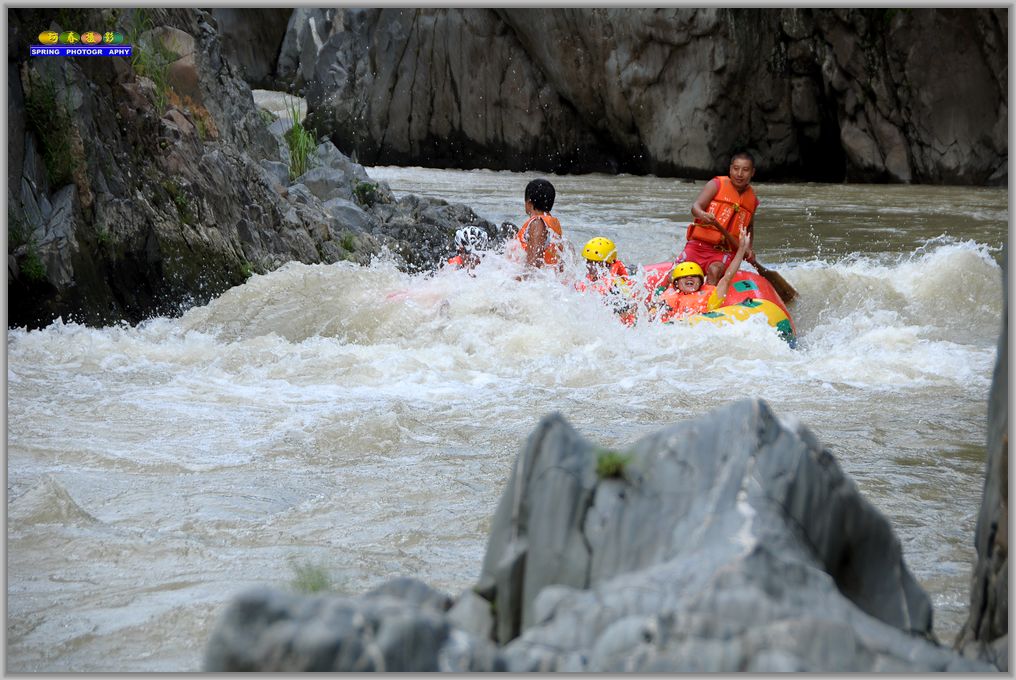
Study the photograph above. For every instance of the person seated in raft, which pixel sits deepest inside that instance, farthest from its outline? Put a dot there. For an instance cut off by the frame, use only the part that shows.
(469, 243)
(540, 236)
(601, 259)
(688, 293)
(608, 276)
(724, 207)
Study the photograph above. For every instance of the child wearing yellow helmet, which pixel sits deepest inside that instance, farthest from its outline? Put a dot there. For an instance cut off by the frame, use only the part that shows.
(601, 257)
(688, 293)
(607, 275)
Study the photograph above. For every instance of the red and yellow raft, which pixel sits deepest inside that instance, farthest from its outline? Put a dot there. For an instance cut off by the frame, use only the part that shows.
(749, 295)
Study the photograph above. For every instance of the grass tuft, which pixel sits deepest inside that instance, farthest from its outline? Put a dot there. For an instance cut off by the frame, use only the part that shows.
(301, 142)
(610, 464)
(51, 121)
(150, 60)
(310, 578)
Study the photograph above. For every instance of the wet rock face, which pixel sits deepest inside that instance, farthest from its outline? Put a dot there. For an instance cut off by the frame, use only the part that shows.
(828, 95)
(985, 634)
(140, 189)
(732, 542)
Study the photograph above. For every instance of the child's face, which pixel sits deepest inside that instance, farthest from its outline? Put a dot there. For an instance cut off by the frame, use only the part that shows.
(688, 284)
(741, 171)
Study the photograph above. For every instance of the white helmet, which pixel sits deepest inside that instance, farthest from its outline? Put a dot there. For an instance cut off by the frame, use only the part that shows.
(471, 238)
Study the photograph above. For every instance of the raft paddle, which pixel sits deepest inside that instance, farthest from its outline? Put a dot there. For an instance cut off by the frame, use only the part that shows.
(783, 289)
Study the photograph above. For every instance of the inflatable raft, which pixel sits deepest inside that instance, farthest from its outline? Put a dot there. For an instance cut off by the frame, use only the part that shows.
(749, 295)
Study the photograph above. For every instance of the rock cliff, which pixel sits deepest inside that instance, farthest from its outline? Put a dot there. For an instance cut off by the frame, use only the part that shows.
(140, 186)
(865, 95)
(733, 542)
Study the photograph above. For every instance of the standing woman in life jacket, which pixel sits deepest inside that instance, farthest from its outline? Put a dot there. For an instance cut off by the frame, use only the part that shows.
(726, 204)
(540, 236)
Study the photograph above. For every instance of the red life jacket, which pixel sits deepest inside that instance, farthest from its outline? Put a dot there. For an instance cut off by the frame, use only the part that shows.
(732, 210)
(552, 250)
(456, 261)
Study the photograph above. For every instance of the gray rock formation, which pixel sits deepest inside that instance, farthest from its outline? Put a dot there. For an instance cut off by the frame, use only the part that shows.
(399, 626)
(985, 634)
(306, 32)
(141, 187)
(905, 95)
(732, 542)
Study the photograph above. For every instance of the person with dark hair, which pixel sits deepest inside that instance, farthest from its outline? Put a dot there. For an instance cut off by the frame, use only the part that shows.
(725, 206)
(540, 235)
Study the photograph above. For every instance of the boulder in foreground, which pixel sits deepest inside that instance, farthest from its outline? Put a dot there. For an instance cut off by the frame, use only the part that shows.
(732, 542)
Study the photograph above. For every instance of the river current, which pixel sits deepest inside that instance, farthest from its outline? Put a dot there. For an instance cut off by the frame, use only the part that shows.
(362, 422)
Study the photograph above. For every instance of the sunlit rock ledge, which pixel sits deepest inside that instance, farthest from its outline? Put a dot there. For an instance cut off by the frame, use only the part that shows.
(731, 542)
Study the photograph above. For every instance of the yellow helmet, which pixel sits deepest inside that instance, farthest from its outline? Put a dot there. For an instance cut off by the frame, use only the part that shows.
(600, 249)
(687, 269)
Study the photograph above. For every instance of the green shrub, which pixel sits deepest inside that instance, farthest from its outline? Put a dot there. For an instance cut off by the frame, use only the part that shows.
(300, 141)
(610, 464)
(32, 266)
(50, 119)
(179, 198)
(310, 578)
(150, 60)
(365, 193)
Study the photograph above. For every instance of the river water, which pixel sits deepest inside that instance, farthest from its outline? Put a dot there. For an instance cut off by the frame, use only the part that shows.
(363, 422)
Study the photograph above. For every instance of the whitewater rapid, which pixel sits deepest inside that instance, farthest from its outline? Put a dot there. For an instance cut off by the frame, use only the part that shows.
(365, 420)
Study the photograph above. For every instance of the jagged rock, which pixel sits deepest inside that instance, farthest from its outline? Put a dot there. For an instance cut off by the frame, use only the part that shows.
(266, 630)
(856, 95)
(306, 32)
(732, 542)
(985, 634)
(348, 213)
(277, 173)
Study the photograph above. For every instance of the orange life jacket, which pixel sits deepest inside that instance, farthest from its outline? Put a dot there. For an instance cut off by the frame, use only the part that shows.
(456, 261)
(552, 250)
(617, 268)
(685, 304)
(733, 211)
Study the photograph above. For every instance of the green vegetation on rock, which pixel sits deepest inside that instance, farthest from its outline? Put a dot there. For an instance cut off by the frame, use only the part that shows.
(150, 58)
(610, 464)
(179, 198)
(365, 193)
(50, 119)
(301, 142)
(310, 578)
(32, 266)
